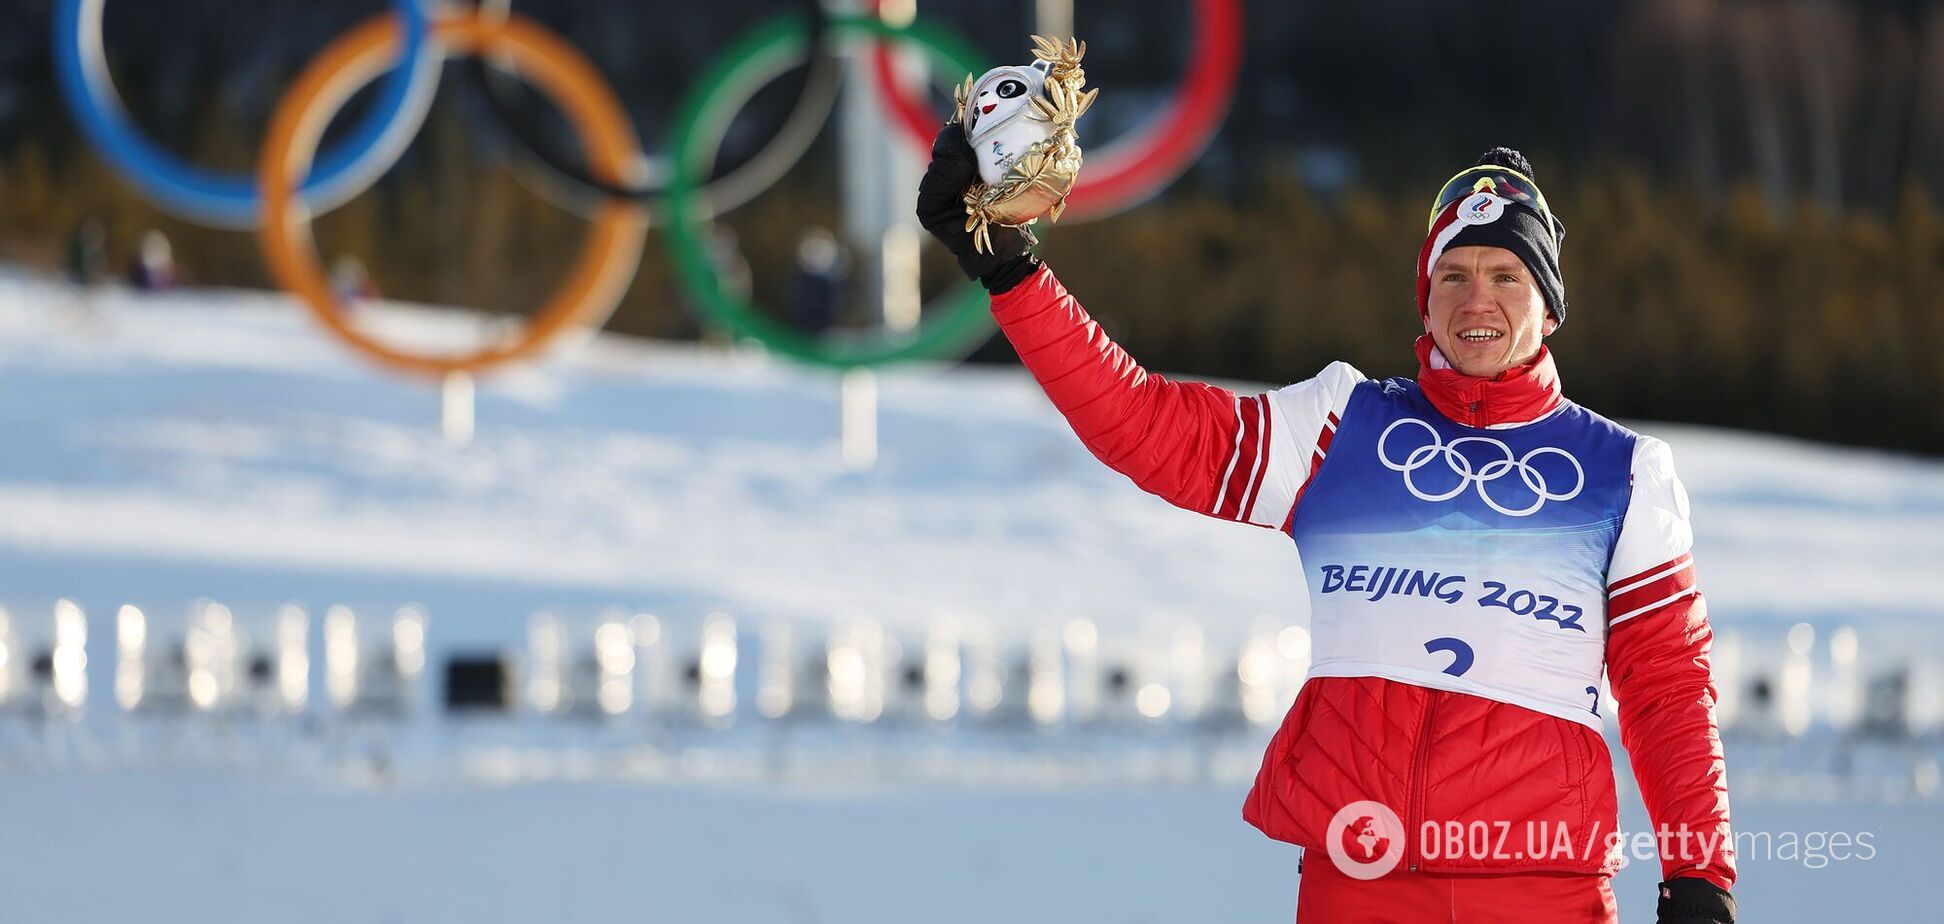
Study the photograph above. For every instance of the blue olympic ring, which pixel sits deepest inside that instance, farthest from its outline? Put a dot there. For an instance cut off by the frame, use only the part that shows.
(231, 200)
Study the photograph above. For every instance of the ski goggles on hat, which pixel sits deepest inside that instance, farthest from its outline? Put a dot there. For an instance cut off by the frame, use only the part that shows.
(1503, 183)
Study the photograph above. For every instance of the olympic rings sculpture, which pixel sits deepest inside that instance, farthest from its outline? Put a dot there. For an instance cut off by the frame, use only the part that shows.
(1461, 466)
(295, 182)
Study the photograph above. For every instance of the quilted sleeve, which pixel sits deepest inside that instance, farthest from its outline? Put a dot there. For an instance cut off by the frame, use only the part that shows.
(1658, 641)
(1195, 445)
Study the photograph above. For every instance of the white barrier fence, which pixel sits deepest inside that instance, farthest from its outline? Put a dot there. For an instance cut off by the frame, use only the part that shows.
(710, 678)
(712, 671)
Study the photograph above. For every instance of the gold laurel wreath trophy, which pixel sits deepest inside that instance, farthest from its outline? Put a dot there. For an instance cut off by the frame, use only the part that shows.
(1019, 121)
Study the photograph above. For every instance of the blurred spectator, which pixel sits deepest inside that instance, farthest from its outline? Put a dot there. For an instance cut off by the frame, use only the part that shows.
(351, 282)
(734, 277)
(87, 257)
(731, 267)
(155, 267)
(817, 285)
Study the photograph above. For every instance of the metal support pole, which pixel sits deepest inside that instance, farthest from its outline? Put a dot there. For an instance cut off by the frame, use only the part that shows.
(456, 408)
(859, 419)
(1053, 18)
(878, 178)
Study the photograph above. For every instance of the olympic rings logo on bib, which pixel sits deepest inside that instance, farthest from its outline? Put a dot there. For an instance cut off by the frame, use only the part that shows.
(1471, 476)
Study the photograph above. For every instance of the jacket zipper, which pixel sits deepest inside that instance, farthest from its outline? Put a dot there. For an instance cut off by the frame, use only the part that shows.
(1419, 756)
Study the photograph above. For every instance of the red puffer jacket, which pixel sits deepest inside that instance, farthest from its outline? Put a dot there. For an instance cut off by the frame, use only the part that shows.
(1512, 779)
(1530, 780)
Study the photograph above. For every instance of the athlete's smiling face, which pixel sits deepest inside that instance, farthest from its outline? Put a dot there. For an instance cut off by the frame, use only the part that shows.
(1486, 313)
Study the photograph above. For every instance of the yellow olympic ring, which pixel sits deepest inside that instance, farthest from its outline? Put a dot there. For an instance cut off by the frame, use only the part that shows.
(613, 247)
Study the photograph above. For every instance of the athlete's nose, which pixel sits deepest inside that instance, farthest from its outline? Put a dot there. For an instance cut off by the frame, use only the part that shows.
(1478, 297)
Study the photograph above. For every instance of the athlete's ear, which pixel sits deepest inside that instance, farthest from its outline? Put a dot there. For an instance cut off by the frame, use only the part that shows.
(1546, 329)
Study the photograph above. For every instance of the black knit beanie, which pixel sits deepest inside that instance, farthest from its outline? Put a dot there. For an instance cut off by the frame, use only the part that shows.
(1485, 220)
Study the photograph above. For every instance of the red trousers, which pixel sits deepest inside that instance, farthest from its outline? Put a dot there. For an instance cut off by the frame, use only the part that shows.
(1327, 896)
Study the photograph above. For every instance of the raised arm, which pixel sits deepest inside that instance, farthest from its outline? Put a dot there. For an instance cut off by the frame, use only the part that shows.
(1195, 445)
(1198, 446)
(1658, 642)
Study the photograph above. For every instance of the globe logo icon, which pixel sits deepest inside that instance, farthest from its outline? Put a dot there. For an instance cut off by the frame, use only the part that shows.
(1365, 839)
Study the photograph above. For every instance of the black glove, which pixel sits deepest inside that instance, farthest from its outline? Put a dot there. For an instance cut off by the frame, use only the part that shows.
(941, 209)
(1695, 901)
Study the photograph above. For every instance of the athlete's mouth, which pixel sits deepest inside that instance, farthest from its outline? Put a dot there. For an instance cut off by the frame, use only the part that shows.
(987, 108)
(1479, 335)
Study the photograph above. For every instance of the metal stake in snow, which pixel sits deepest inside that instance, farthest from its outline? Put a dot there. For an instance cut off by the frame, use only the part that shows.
(859, 419)
(456, 408)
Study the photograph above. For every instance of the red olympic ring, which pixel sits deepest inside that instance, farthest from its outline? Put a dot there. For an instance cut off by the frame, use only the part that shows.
(1123, 174)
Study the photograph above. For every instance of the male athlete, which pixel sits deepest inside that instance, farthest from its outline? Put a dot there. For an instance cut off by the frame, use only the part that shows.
(1478, 550)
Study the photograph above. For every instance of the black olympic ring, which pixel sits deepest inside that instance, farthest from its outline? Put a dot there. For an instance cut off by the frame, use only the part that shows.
(816, 96)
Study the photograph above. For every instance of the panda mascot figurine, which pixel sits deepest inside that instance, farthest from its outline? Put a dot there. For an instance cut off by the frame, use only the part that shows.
(1019, 121)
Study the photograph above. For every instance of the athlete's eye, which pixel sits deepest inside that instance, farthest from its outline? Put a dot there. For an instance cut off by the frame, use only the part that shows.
(1011, 88)
(1454, 277)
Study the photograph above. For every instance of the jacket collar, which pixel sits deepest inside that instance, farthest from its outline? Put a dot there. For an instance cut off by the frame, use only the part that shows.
(1521, 394)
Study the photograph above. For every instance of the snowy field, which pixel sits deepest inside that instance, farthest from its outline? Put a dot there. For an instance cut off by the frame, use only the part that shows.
(214, 445)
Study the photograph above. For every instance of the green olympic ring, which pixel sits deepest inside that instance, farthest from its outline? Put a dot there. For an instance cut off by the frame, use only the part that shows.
(959, 325)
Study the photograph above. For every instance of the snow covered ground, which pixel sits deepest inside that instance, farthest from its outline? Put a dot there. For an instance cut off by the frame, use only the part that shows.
(214, 444)
(184, 846)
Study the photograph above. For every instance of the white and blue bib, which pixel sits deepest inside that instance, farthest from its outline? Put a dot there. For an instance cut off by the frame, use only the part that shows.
(1471, 560)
